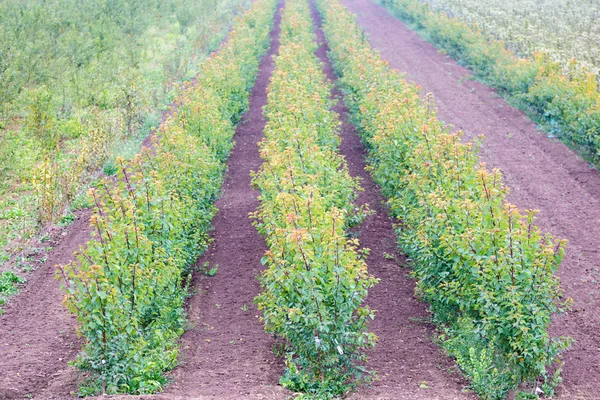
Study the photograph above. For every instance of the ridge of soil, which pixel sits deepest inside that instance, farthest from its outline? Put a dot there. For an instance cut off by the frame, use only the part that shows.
(408, 363)
(542, 173)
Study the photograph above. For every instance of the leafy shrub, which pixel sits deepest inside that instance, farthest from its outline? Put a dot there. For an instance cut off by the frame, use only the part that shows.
(316, 279)
(485, 268)
(150, 224)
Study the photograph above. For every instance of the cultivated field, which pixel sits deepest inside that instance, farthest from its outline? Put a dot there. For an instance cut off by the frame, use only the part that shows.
(328, 208)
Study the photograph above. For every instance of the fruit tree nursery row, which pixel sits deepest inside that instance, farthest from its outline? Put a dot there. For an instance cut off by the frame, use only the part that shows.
(317, 278)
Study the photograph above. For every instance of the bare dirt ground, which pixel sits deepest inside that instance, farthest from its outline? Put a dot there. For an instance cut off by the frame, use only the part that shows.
(37, 334)
(542, 173)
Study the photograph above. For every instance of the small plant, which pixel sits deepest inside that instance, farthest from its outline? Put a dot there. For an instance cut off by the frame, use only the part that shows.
(489, 376)
(67, 219)
(110, 169)
(526, 396)
(9, 282)
(209, 271)
(549, 382)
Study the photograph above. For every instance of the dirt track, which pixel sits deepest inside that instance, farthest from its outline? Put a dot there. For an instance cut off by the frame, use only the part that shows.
(542, 173)
(37, 334)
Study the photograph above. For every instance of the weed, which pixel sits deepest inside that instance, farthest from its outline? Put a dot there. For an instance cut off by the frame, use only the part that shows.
(9, 282)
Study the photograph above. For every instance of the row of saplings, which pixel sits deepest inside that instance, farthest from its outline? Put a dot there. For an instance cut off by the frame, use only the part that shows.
(317, 278)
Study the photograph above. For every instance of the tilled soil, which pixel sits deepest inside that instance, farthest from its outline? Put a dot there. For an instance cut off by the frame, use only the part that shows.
(409, 364)
(227, 353)
(542, 173)
(37, 333)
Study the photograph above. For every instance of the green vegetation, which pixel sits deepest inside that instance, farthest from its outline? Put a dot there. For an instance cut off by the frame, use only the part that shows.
(150, 224)
(566, 104)
(81, 83)
(316, 279)
(484, 267)
(8, 285)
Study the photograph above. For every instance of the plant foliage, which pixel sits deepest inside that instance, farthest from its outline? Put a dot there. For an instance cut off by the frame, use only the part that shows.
(317, 278)
(485, 268)
(82, 82)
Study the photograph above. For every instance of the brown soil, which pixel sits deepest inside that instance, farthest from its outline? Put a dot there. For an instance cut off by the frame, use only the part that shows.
(37, 335)
(542, 174)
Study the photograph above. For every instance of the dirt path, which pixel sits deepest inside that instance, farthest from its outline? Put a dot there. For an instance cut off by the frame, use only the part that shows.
(542, 174)
(405, 356)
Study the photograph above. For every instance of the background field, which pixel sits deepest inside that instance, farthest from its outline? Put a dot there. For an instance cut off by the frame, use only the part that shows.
(565, 29)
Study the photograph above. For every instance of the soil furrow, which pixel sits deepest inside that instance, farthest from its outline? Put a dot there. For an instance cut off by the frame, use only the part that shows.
(409, 364)
(227, 353)
(542, 173)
